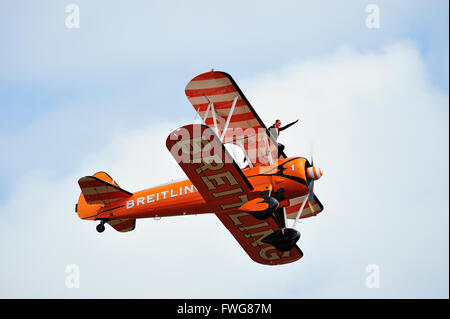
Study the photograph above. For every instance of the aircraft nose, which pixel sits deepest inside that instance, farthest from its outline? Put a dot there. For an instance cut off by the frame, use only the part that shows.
(314, 172)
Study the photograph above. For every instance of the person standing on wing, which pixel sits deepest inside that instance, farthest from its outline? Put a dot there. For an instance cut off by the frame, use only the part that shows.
(275, 130)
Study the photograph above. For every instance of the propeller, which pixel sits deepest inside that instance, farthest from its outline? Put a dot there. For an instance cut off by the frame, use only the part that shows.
(311, 184)
(313, 174)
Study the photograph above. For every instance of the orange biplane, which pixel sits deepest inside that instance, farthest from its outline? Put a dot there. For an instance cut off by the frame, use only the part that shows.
(254, 201)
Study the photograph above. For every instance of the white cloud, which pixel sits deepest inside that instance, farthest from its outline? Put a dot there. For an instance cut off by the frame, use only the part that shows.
(378, 127)
(381, 135)
(176, 35)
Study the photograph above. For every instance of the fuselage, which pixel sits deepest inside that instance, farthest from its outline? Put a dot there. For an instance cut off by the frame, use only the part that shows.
(182, 198)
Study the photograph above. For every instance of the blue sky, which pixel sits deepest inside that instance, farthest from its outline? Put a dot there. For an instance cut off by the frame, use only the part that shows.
(105, 96)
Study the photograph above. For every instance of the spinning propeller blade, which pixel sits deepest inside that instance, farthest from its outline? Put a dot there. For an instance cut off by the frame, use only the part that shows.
(313, 174)
(311, 184)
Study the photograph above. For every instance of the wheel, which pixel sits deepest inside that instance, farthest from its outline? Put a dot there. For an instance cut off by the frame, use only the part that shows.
(100, 228)
(283, 242)
(272, 206)
(289, 239)
(285, 246)
(261, 215)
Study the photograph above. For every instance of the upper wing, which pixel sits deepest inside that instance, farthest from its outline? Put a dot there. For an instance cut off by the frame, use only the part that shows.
(249, 232)
(209, 166)
(223, 106)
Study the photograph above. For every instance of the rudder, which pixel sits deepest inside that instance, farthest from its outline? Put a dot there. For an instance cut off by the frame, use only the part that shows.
(97, 191)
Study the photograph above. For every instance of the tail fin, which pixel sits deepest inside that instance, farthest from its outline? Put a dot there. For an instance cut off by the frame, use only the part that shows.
(98, 191)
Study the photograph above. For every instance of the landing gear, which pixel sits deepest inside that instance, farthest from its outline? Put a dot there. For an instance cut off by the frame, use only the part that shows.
(285, 238)
(272, 205)
(101, 227)
(261, 215)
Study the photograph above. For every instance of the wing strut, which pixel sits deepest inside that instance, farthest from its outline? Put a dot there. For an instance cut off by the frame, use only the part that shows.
(213, 111)
(269, 154)
(207, 111)
(216, 130)
(300, 211)
(246, 155)
(229, 118)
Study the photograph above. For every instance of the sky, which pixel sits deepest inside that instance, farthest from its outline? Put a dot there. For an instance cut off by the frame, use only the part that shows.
(373, 105)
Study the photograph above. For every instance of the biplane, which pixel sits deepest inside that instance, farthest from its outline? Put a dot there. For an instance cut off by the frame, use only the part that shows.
(255, 200)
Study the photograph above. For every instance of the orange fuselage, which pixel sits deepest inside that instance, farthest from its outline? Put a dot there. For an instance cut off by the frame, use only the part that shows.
(182, 198)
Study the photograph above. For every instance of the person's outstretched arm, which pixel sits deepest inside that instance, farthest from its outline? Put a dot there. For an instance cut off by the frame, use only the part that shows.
(286, 126)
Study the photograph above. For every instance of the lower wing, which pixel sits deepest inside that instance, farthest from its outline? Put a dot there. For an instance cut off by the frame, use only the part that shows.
(250, 232)
(311, 208)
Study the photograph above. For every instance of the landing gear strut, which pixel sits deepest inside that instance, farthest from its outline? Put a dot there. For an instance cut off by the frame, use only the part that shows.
(285, 238)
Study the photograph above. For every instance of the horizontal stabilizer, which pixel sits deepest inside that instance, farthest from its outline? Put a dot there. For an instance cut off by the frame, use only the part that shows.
(97, 191)
(123, 225)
